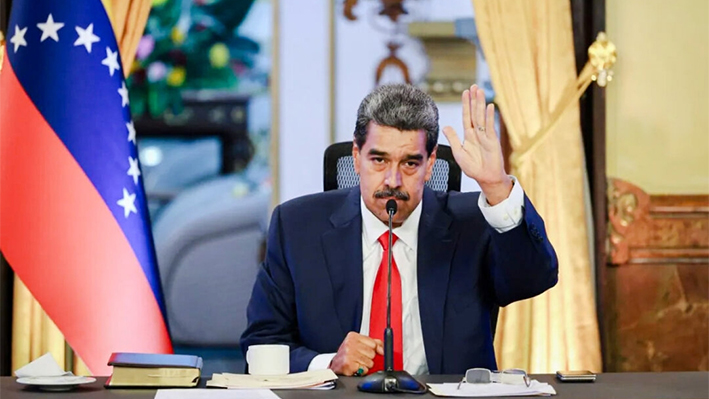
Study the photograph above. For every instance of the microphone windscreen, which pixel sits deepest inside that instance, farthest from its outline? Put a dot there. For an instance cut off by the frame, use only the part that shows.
(391, 206)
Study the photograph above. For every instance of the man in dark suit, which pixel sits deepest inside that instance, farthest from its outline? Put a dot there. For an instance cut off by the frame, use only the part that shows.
(457, 256)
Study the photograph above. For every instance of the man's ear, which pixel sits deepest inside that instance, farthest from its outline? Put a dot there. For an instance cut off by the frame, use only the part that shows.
(355, 156)
(429, 163)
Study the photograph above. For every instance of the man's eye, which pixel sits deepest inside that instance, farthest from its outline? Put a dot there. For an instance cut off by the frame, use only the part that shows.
(378, 160)
(412, 164)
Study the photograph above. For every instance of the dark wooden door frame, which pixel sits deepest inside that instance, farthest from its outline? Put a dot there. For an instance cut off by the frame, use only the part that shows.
(589, 18)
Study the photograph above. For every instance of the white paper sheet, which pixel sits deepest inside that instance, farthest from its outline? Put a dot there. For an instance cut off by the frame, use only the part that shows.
(198, 393)
(450, 389)
(307, 379)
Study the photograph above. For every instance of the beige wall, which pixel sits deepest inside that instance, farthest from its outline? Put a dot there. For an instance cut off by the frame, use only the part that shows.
(658, 102)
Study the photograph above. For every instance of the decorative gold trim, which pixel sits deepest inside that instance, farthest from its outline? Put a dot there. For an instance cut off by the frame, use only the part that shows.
(393, 61)
(347, 9)
(627, 204)
(391, 8)
(602, 55)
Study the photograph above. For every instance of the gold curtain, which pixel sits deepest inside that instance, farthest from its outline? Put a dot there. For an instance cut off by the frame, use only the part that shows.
(529, 48)
(33, 332)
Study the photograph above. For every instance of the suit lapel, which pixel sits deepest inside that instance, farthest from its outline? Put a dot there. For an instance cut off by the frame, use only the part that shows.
(435, 251)
(343, 254)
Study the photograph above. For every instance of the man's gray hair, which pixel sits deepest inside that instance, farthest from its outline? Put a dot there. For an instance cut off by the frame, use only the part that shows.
(400, 106)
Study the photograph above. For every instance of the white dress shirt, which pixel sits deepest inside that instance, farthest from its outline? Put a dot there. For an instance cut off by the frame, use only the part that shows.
(502, 217)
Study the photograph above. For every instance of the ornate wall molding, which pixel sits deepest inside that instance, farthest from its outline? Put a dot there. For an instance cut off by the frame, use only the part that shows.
(626, 204)
(647, 228)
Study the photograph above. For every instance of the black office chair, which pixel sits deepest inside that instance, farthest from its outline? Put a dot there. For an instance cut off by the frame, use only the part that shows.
(340, 172)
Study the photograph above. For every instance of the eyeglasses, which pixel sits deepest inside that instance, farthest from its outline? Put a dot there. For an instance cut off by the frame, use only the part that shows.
(485, 376)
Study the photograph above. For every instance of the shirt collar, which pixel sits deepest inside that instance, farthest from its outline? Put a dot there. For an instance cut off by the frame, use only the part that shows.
(372, 227)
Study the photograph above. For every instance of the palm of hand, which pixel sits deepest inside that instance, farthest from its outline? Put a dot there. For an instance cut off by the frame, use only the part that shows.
(480, 155)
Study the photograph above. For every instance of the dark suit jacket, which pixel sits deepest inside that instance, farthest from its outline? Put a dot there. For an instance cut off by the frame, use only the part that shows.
(308, 293)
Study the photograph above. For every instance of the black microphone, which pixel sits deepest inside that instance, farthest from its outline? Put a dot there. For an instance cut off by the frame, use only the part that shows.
(388, 333)
(388, 380)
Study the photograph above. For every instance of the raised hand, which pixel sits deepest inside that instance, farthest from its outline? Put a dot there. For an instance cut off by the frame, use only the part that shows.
(356, 354)
(480, 154)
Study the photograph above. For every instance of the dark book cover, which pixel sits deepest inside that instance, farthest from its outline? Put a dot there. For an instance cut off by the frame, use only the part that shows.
(154, 360)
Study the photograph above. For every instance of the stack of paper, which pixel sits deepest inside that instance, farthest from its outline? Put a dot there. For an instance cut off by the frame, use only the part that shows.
(320, 379)
(536, 388)
(198, 393)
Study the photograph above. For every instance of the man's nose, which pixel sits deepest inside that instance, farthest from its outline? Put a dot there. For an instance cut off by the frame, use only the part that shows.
(393, 177)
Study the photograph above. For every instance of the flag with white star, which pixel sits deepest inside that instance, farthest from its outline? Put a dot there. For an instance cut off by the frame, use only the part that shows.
(75, 224)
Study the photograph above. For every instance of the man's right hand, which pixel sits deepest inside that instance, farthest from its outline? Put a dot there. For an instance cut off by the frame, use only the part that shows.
(356, 351)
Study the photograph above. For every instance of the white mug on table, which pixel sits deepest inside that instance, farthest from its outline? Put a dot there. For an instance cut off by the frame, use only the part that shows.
(268, 359)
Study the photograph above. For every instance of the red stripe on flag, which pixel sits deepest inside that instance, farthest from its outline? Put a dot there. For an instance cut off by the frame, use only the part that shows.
(65, 245)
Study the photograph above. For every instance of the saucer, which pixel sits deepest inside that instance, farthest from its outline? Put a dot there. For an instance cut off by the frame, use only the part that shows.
(60, 383)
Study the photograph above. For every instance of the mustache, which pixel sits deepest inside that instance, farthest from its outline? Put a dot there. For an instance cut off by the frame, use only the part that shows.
(391, 192)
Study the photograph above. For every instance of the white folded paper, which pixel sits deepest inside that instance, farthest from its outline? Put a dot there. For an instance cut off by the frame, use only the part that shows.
(43, 366)
(450, 389)
(197, 393)
(45, 371)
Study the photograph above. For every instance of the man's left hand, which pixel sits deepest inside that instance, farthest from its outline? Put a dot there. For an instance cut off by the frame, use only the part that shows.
(480, 154)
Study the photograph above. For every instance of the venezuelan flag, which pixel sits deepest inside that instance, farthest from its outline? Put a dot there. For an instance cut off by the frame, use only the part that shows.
(74, 222)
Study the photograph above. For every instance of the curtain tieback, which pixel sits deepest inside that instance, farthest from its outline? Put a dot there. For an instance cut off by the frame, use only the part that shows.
(601, 58)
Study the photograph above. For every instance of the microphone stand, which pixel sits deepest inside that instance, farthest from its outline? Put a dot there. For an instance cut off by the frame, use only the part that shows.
(388, 380)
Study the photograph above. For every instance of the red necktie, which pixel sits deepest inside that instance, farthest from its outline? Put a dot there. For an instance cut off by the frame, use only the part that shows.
(378, 317)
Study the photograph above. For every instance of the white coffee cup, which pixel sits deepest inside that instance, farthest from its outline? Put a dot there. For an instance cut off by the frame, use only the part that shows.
(268, 359)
